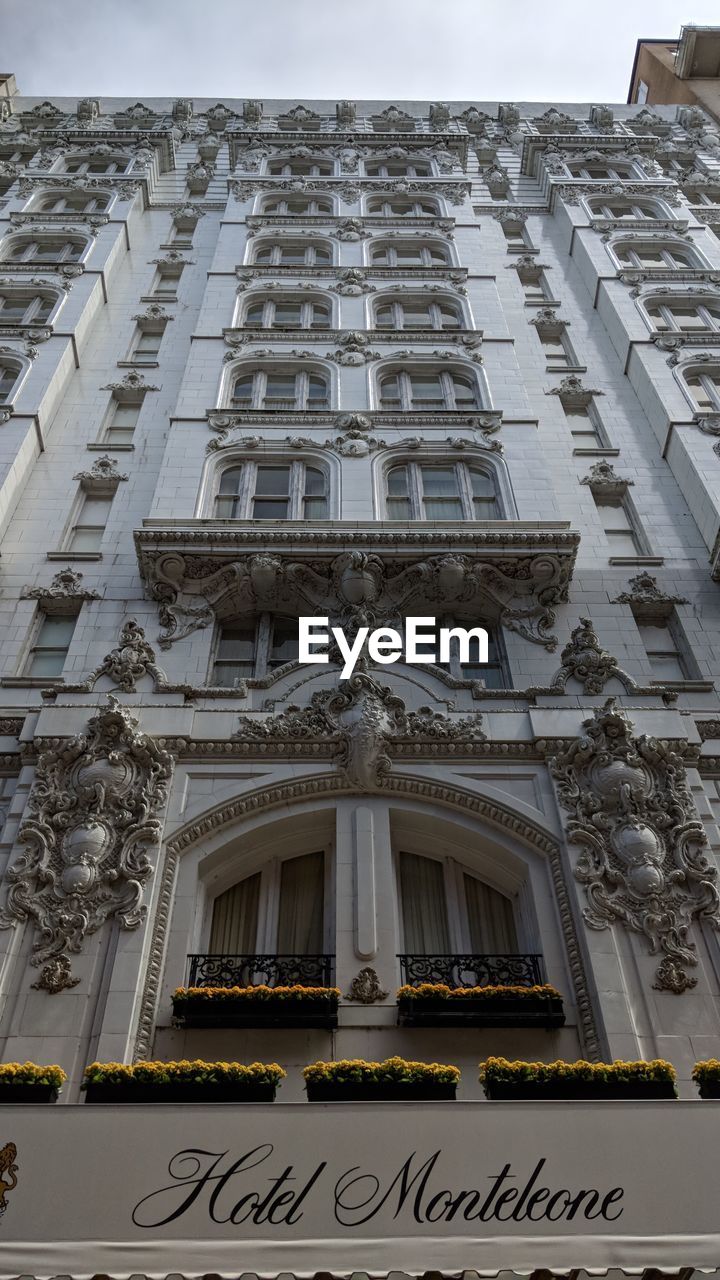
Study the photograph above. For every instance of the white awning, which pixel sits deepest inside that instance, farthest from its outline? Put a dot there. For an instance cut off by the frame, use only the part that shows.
(462, 1189)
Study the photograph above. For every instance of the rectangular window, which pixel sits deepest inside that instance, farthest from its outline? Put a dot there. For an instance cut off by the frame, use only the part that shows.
(641, 93)
(621, 536)
(87, 532)
(147, 345)
(234, 657)
(48, 653)
(122, 423)
(583, 427)
(557, 352)
(663, 652)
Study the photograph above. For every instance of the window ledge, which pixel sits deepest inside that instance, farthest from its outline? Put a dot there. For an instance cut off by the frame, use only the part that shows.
(31, 682)
(543, 302)
(74, 555)
(640, 560)
(566, 368)
(686, 686)
(125, 448)
(138, 364)
(579, 453)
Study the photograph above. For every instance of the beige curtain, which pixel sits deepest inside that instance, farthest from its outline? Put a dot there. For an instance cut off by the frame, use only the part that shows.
(235, 919)
(302, 894)
(491, 919)
(424, 908)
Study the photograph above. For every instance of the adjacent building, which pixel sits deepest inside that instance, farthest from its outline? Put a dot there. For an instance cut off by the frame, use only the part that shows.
(685, 71)
(358, 361)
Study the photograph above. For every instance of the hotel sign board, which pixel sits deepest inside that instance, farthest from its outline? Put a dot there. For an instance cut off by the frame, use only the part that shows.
(301, 1188)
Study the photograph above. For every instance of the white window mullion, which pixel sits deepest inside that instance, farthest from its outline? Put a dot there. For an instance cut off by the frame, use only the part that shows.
(462, 480)
(415, 491)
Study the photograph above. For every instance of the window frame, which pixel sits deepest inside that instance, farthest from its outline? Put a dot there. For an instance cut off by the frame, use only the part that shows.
(404, 168)
(28, 241)
(415, 493)
(276, 249)
(39, 622)
(664, 247)
(457, 919)
(307, 303)
(263, 627)
(424, 250)
(309, 198)
(300, 167)
(445, 376)
(372, 200)
(709, 384)
(33, 305)
(246, 493)
(432, 302)
(38, 200)
(270, 872)
(664, 304)
(302, 400)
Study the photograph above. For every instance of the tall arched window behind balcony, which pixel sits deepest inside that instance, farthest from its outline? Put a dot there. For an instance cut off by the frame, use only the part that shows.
(288, 313)
(272, 491)
(443, 390)
(281, 389)
(481, 921)
(303, 254)
(279, 910)
(421, 312)
(420, 253)
(440, 491)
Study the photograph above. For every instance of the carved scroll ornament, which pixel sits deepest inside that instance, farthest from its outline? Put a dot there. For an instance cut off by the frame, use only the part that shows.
(642, 843)
(94, 816)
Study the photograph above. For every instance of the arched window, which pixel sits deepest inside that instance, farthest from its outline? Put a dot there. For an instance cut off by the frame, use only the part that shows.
(492, 674)
(398, 168)
(404, 206)
(96, 164)
(421, 312)
(618, 169)
(288, 254)
(703, 383)
(288, 313)
(252, 649)
(445, 389)
(446, 909)
(272, 491)
(623, 207)
(21, 306)
(280, 910)
(9, 375)
(440, 491)
(417, 253)
(300, 167)
(653, 253)
(71, 202)
(298, 206)
(43, 248)
(683, 315)
(281, 390)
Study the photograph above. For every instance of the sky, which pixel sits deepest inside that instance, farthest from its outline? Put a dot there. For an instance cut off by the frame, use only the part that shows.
(482, 50)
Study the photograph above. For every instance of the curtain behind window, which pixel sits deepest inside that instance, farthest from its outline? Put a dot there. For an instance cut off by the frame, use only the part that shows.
(491, 919)
(424, 909)
(302, 894)
(235, 919)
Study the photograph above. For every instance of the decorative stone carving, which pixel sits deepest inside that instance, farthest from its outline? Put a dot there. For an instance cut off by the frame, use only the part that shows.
(602, 117)
(182, 111)
(439, 115)
(351, 229)
(55, 976)
(547, 321)
(554, 121)
(252, 112)
(497, 180)
(133, 658)
(583, 660)
(509, 115)
(354, 349)
(66, 586)
(104, 470)
(299, 117)
(93, 818)
(708, 423)
(133, 382)
(351, 283)
(393, 120)
(186, 216)
(603, 481)
(153, 316)
(219, 117)
(573, 392)
(642, 862)
(365, 987)
(359, 719)
(345, 114)
(199, 175)
(180, 621)
(647, 601)
(355, 444)
(473, 119)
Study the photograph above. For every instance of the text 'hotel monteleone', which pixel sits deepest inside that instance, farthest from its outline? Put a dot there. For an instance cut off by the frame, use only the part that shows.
(358, 361)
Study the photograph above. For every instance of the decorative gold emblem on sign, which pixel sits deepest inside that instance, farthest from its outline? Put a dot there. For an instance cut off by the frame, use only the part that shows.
(8, 1167)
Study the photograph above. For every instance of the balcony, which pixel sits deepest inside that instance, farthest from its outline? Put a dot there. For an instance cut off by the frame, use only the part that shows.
(518, 997)
(220, 992)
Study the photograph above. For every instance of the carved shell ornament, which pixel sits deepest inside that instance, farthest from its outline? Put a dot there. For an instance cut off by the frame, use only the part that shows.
(642, 843)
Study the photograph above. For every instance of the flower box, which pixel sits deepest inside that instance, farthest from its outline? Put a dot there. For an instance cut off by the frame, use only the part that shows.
(707, 1078)
(437, 1005)
(392, 1081)
(256, 1006)
(181, 1082)
(575, 1081)
(28, 1082)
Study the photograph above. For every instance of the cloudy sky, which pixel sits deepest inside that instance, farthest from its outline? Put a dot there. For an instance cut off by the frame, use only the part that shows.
(558, 50)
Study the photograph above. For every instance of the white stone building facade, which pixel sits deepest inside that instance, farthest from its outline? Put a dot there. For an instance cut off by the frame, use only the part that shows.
(363, 361)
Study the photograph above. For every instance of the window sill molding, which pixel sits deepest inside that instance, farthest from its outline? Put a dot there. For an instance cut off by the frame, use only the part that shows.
(585, 453)
(31, 682)
(74, 555)
(685, 686)
(637, 560)
(104, 445)
(138, 364)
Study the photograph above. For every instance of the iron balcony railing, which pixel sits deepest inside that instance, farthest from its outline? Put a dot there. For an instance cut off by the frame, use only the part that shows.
(253, 971)
(516, 970)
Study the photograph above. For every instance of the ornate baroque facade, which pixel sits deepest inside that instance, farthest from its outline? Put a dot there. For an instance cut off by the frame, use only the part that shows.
(359, 360)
